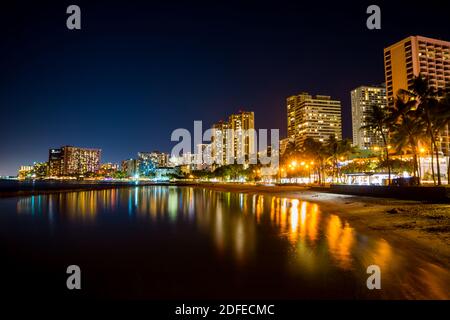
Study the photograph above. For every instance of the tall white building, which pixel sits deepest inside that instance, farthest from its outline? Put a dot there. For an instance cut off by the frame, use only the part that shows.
(221, 143)
(203, 156)
(242, 125)
(363, 98)
(233, 140)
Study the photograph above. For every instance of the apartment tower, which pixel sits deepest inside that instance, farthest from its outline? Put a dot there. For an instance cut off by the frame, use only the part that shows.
(363, 99)
(315, 117)
(414, 56)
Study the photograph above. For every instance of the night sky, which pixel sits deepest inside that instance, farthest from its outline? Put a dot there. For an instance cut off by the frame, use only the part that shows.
(137, 70)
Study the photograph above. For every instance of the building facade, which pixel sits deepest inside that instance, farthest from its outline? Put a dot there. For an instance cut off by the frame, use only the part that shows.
(233, 141)
(414, 56)
(149, 161)
(55, 162)
(315, 117)
(130, 167)
(243, 144)
(203, 156)
(363, 99)
(220, 141)
(70, 161)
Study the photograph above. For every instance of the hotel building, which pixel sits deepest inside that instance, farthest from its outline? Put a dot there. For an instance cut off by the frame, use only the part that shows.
(243, 125)
(363, 98)
(159, 159)
(221, 143)
(234, 140)
(315, 117)
(68, 160)
(416, 55)
(203, 156)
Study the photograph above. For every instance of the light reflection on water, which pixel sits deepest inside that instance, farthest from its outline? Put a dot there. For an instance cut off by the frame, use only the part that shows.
(244, 226)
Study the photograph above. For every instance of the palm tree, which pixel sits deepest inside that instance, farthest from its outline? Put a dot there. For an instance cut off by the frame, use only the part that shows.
(428, 107)
(332, 147)
(290, 153)
(407, 129)
(316, 151)
(444, 117)
(345, 149)
(405, 136)
(378, 121)
(337, 149)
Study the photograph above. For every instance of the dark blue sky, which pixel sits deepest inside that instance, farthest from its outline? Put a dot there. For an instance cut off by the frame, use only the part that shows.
(138, 70)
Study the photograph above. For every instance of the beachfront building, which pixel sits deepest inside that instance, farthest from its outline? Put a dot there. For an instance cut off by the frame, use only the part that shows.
(316, 117)
(234, 140)
(363, 99)
(220, 141)
(159, 159)
(203, 156)
(71, 161)
(149, 161)
(242, 125)
(414, 56)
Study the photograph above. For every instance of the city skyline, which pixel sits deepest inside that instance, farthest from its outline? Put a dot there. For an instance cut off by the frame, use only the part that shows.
(224, 159)
(256, 71)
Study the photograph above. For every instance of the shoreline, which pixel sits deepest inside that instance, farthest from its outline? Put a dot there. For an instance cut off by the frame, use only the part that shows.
(410, 225)
(63, 187)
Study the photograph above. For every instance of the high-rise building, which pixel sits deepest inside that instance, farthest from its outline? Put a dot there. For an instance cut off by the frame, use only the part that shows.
(363, 98)
(315, 117)
(203, 156)
(291, 106)
(242, 125)
(55, 162)
(220, 141)
(69, 160)
(158, 159)
(233, 140)
(414, 56)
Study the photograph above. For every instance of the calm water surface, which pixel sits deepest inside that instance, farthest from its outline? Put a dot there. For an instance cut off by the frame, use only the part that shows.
(182, 242)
